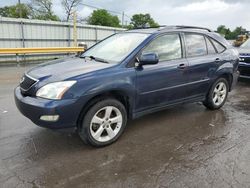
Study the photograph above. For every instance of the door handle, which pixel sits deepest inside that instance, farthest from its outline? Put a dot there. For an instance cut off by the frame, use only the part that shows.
(182, 66)
(217, 60)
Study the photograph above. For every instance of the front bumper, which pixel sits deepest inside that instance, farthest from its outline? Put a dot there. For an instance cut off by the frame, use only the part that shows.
(244, 69)
(33, 108)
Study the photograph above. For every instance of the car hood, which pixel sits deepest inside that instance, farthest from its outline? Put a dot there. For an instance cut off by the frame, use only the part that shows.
(62, 69)
(244, 51)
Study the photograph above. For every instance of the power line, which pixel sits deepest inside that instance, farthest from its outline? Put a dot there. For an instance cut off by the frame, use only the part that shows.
(94, 7)
(111, 11)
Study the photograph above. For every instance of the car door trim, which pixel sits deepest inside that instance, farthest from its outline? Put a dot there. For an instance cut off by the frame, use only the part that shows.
(181, 85)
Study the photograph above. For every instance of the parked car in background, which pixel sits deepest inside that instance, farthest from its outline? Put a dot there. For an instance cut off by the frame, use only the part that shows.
(128, 75)
(244, 65)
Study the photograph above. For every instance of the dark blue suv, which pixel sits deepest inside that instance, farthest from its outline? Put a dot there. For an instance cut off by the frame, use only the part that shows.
(128, 75)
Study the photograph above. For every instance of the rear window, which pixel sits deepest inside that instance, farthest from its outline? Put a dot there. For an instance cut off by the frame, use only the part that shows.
(210, 47)
(195, 45)
(218, 46)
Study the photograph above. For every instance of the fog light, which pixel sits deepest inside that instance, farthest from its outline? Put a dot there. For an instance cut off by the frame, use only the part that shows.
(49, 117)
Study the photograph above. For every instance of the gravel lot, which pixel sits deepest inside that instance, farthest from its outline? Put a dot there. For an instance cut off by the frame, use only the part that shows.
(185, 146)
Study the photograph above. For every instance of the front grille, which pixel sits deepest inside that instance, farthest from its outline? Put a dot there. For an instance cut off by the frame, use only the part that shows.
(245, 58)
(244, 54)
(27, 82)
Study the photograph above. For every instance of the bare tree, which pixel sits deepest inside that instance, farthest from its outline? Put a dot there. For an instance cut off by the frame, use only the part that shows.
(69, 5)
(43, 10)
(43, 6)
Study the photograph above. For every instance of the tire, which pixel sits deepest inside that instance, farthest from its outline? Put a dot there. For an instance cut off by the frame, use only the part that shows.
(103, 123)
(217, 94)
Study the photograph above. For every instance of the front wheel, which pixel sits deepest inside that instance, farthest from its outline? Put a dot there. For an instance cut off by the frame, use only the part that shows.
(217, 95)
(103, 123)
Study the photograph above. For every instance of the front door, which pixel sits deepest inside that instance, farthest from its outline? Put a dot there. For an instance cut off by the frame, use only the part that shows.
(166, 82)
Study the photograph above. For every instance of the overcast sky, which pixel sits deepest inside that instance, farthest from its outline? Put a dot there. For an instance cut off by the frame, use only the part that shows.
(207, 13)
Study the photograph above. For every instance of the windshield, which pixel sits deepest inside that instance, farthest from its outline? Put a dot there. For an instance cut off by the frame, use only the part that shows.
(115, 48)
(246, 44)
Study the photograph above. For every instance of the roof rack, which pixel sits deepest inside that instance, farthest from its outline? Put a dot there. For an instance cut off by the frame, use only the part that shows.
(148, 27)
(161, 27)
(191, 27)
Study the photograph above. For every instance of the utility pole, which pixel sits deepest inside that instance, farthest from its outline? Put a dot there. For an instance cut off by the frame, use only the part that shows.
(19, 9)
(122, 19)
(75, 29)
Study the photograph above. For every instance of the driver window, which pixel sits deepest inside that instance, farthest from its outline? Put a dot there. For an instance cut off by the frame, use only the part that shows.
(168, 47)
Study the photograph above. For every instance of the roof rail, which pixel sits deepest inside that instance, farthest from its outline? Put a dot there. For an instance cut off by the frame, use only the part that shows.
(162, 27)
(148, 27)
(192, 27)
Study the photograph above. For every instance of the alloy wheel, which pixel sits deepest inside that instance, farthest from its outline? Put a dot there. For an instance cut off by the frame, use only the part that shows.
(219, 94)
(106, 123)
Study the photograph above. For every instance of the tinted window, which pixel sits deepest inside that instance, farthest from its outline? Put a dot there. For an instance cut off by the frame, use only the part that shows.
(195, 45)
(168, 47)
(210, 47)
(218, 46)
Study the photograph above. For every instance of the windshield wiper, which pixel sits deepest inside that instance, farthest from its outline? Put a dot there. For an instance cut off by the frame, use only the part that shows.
(96, 59)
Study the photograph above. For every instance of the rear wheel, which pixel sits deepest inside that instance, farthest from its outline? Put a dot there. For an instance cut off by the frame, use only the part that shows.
(217, 95)
(103, 123)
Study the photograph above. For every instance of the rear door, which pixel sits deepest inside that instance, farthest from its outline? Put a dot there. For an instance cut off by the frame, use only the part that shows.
(166, 82)
(203, 62)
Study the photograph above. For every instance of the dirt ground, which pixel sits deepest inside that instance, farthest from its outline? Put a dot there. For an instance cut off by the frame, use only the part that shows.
(185, 146)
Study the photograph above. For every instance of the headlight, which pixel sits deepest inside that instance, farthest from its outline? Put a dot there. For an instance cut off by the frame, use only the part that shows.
(54, 90)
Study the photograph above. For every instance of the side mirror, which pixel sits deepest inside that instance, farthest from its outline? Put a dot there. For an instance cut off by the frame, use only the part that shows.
(148, 59)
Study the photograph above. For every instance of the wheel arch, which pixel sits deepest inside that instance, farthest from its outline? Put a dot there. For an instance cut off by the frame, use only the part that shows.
(229, 78)
(119, 95)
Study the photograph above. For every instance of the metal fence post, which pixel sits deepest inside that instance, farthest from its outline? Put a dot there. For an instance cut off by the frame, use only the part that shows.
(69, 35)
(17, 60)
(22, 34)
(23, 39)
(96, 36)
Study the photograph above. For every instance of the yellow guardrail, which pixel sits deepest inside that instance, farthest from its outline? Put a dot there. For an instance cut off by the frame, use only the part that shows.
(40, 50)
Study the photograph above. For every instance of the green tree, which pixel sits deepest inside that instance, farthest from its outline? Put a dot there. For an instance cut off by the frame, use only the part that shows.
(223, 30)
(142, 20)
(239, 31)
(42, 10)
(102, 17)
(15, 11)
(230, 35)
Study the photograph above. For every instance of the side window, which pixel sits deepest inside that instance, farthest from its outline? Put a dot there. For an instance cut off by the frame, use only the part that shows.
(168, 47)
(195, 45)
(210, 47)
(218, 46)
